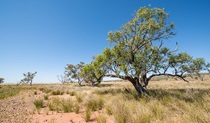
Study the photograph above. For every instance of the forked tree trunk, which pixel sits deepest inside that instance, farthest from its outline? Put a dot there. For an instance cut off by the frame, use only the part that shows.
(139, 88)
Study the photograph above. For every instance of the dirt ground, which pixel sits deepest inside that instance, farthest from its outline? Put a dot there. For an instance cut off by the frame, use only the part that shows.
(20, 109)
(17, 109)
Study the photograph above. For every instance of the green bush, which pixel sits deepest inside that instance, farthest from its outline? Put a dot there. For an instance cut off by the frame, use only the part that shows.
(57, 92)
(39, 103)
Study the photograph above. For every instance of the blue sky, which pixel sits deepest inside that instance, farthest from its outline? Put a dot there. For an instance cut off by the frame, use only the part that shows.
(45, 35)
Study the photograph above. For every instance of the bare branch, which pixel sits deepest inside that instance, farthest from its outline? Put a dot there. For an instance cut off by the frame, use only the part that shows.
(174, 50)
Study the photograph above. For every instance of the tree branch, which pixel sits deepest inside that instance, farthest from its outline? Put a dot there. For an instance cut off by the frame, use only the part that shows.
(165, 74)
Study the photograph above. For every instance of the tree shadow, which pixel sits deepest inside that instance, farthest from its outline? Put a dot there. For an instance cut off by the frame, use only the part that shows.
(187, 95)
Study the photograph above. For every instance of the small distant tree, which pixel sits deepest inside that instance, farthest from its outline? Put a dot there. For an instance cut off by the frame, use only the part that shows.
(63, 79)
(28, 78)
(94, 72)
(73, 72)
(1, 80)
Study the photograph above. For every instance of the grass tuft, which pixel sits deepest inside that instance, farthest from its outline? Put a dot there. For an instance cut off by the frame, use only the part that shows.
(38, 103)
(67, 105)
(79, 97)
(46, 97)
(101, 118)
(94, 103)
(87, 115)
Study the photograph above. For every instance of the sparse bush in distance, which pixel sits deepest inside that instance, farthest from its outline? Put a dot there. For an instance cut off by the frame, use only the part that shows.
(45, 90)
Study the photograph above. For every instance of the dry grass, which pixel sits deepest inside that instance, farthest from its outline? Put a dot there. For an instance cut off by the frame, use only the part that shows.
(169, 101)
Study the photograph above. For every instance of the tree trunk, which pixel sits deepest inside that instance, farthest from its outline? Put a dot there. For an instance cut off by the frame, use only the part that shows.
(139, 88)
(31, 83)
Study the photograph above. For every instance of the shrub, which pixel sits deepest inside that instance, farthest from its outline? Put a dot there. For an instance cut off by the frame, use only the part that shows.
(46, 97)
(54, 105)
(45, 90)
(38, 103)
(57, 92)
(72, 93)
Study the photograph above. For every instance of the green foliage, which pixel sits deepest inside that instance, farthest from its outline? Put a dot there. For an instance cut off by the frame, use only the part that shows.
(92, 73)
(1, 80)
(74, 71)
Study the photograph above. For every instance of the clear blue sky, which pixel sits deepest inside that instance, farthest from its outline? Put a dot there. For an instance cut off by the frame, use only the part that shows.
(45, 35)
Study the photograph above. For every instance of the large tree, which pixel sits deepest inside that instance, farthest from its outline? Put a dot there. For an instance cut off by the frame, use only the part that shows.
(138, 53)
(28, 78)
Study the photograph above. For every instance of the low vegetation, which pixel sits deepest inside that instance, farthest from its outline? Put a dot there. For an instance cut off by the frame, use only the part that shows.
(119, 102)
(39, 103)
(11, 90)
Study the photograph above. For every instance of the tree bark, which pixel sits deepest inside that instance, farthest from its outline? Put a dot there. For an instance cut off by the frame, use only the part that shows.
(139, 88)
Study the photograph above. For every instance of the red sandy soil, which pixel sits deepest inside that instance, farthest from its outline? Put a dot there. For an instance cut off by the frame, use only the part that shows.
(53, 117)
(20, 109)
